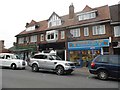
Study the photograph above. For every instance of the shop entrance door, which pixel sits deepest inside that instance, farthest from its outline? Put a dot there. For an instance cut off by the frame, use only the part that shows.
(61, 54)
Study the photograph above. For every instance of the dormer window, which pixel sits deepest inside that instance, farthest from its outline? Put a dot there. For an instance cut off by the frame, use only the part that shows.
(87, 15)
(54, 20)
(30, 28)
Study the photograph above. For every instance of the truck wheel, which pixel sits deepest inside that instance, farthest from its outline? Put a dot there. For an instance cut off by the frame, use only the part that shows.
(59, 70)
(102, 74)
(13, 66)
(35, 68)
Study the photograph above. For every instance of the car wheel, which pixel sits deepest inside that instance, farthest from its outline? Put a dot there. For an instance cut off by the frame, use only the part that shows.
(13, 66)
(102, 74)
(35, 68)
(59, 70)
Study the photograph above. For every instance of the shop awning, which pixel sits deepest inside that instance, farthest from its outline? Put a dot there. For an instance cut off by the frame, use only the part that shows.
(22, 48)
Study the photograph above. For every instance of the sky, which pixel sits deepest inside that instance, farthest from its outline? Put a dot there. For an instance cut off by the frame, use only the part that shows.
(14, 14)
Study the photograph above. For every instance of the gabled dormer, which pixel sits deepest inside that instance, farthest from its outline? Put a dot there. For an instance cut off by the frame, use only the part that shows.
(87, 13)
(54, 20)
(33, 25)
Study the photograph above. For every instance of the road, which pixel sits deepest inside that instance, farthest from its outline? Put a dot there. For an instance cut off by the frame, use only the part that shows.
(28, 79)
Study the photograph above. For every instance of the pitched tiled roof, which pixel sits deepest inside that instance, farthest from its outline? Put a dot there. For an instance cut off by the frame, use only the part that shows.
(103, 14)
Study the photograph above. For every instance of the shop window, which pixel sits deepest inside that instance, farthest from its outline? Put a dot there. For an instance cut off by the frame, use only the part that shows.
(106, 50)
(74, 56)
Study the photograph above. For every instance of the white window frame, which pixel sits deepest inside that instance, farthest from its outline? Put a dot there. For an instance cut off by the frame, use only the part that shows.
(98, 30)
(54, 21)
(42, 37)
(75, 32)
(62, 34)
(30, 28)
(86, 31)
(87, 15)
(116, 31)
(27, 39)
(33, 38)
(21, 40)
(51, 33)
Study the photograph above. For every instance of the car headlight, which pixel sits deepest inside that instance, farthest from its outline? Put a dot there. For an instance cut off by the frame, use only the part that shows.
(67, 64)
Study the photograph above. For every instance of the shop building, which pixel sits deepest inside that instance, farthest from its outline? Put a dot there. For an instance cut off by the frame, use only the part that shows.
(92, 34)
(115, 25)
(80, 35)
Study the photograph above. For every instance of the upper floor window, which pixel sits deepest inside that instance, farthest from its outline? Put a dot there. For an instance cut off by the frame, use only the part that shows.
(20, 40)
(42, 37)
(33, 38)
(26, 39)
(62, 34)
(30, 28)
(87, 15)
(117, 31)
(52, 36)
(99, 29)
(75, 32)
(54, 21)
(86, 31)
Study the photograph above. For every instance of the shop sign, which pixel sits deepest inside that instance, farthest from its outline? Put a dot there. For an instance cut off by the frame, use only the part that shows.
(88, 44)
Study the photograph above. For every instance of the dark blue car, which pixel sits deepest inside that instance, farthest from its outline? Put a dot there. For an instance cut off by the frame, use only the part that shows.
(105, 66)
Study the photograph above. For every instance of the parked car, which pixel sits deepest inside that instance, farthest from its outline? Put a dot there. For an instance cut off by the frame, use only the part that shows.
(12, 61)
(48, 61)
(105, 66)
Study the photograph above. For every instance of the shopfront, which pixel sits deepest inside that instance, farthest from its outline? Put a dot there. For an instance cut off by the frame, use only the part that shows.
(86, 50)
(58, 47)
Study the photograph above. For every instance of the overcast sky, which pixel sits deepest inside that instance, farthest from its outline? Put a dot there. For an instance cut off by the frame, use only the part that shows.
(14, 14)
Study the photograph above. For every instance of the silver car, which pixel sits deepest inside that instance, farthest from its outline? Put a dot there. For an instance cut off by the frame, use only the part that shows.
(51, 62)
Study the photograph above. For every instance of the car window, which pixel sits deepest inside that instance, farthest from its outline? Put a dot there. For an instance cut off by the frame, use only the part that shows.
(114, 59)
(7, 57)
(2, 56)
(40, 57)
(55, 57)
(102, 59)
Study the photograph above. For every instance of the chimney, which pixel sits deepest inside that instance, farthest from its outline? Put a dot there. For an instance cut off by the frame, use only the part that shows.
(71, 11)
(119, 11)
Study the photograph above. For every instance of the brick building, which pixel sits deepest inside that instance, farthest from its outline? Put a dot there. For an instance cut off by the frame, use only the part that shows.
(115, 25)
(78, 35)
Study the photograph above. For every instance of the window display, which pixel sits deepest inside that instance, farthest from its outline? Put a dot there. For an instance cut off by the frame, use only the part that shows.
(85, 55)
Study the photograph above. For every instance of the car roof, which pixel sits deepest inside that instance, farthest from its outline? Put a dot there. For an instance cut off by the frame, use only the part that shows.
(44, 54)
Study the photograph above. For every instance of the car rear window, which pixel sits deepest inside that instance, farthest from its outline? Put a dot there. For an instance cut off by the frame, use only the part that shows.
(102, 59)
(114, 59)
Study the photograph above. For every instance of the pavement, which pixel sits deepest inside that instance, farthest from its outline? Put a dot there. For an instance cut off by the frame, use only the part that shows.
(83, 70)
